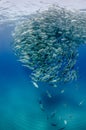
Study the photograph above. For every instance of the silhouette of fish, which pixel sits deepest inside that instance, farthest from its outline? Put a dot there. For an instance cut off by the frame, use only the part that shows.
(62, 128)
(41, 105)
(53, 114)
(54, 124)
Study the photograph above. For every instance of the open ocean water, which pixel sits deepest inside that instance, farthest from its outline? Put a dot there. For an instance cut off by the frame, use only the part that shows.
(20, 100)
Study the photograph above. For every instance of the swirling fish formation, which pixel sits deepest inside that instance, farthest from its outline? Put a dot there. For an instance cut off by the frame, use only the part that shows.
(47, 43)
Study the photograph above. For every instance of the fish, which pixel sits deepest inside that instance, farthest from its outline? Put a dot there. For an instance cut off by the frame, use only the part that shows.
(48, 94)
(53, 114)
(70, 116)
(35, 84)
(41, 105)
(65, 122)
(62, 128)
(48, 46)
(81, 102)
(55, 86)
(40, 101)
(62, 91)
(54, 124)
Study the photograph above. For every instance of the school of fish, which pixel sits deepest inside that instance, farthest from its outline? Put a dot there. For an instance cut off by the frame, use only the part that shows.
(48, 42)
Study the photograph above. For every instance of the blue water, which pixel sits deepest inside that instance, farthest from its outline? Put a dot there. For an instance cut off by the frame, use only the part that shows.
(19, 99)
